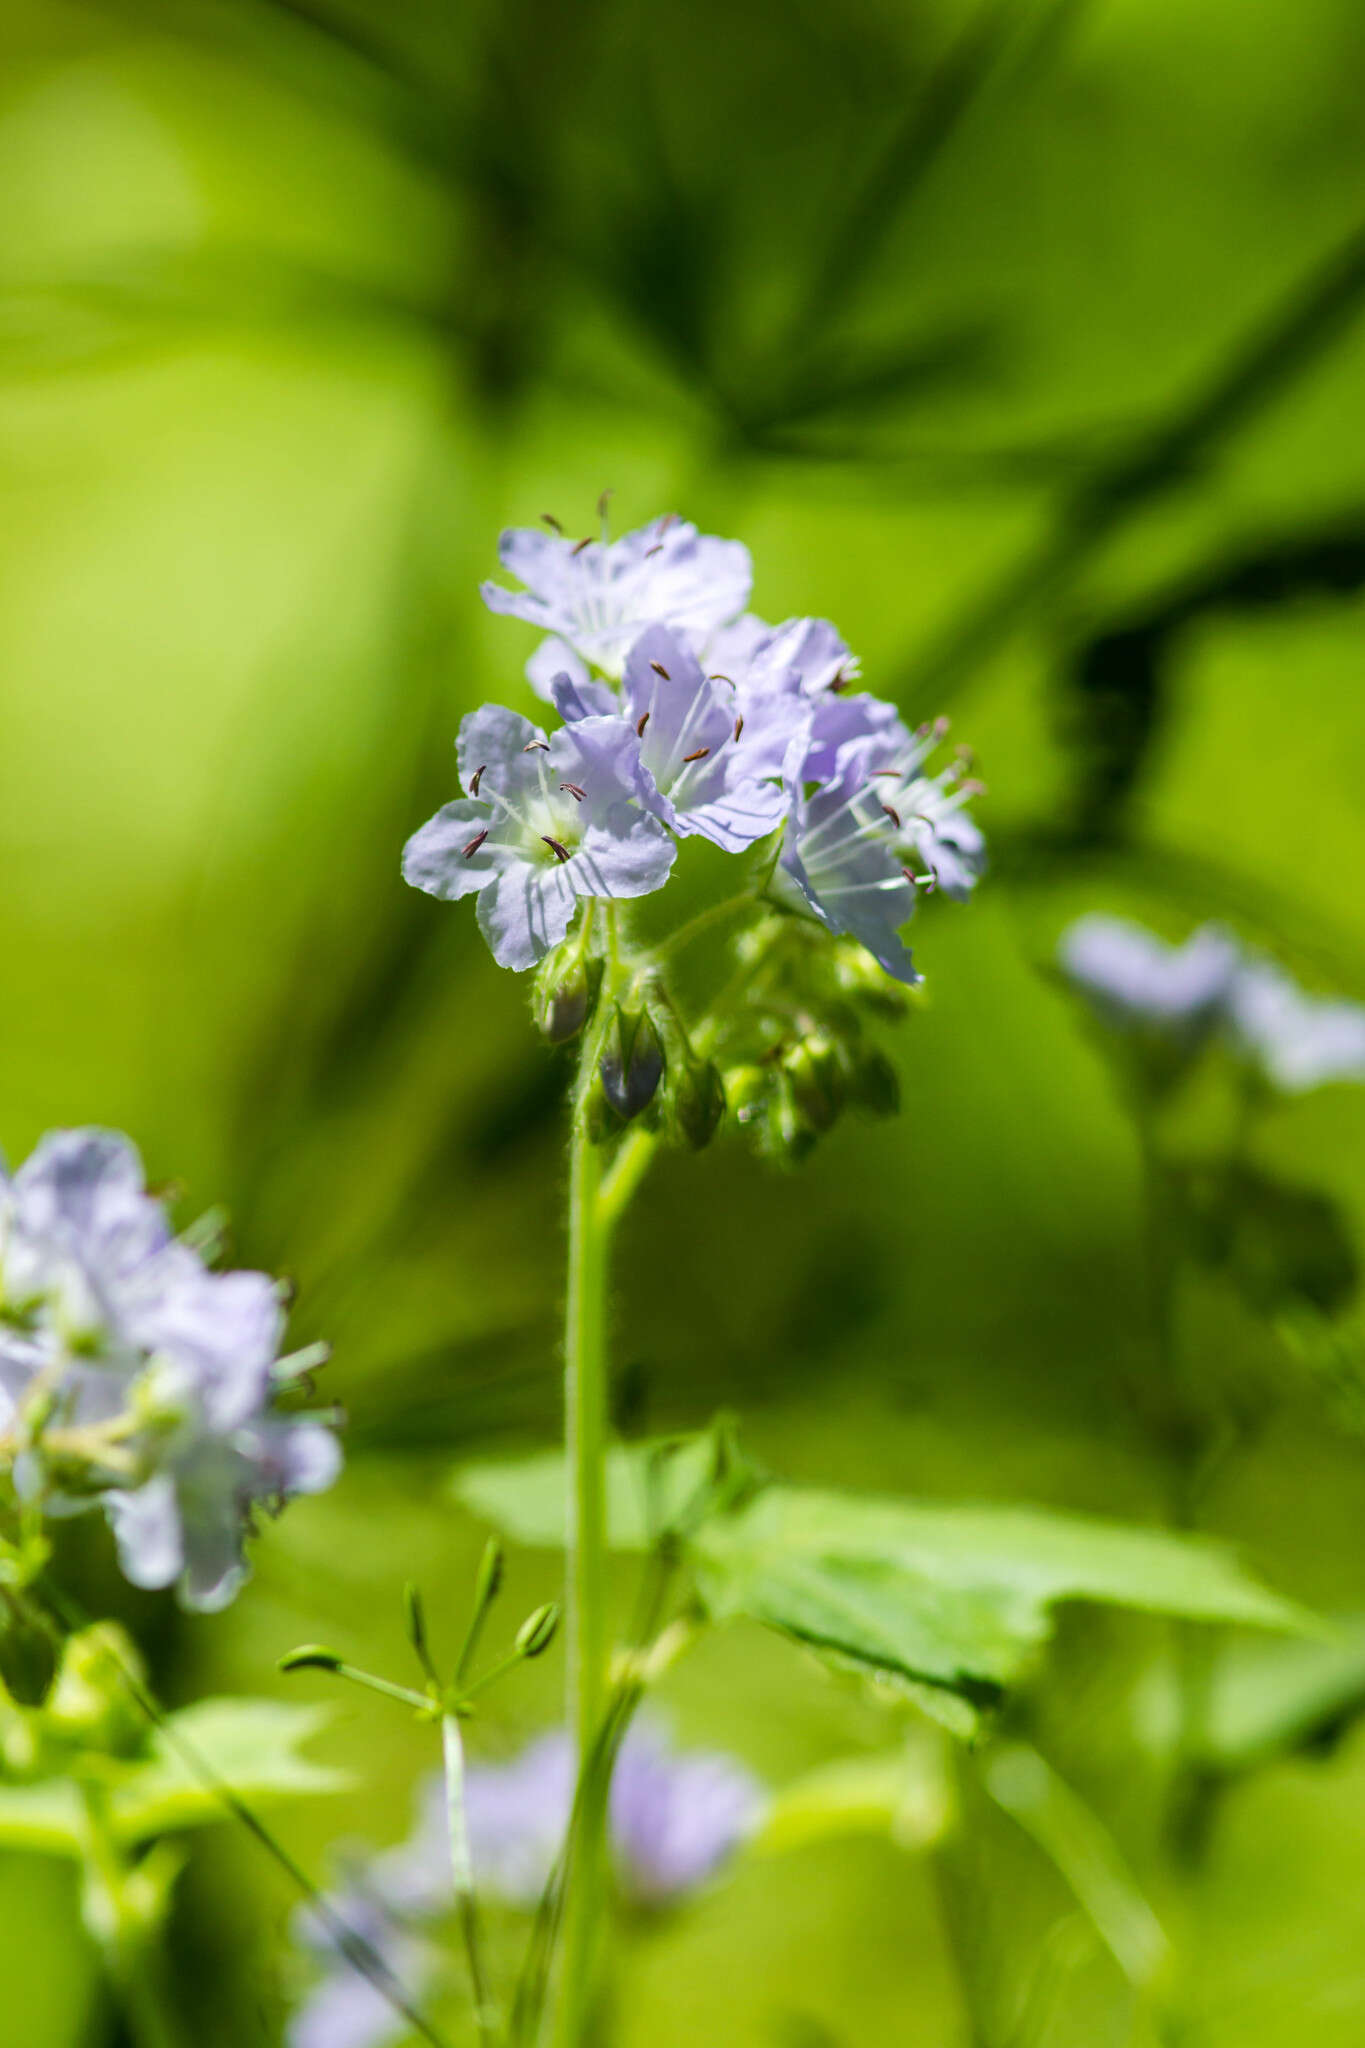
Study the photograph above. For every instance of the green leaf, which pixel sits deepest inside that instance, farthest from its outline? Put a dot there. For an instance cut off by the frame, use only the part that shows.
(955, 1600)
(1270, 1699)
(648, 1486)
(249, 1748)
(953, 1597)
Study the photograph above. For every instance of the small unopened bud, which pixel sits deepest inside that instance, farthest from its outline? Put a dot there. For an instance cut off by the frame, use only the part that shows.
(696, 1104)
(874, 1085)
(815, 1077)
(537, 1632)
(414, 1619)
(489, 1580)
(309, 1657)
(790, 1137)
(566, 986)
(91, 1701)
(632, 1065)
(746, 1090)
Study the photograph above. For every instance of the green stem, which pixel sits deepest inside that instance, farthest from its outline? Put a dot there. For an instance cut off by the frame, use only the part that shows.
(462, 1871)
(122, 1928)
(585, 1425)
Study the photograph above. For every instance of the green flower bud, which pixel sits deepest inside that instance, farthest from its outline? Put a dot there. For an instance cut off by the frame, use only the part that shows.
(564, 993)
(857, 975)
(815, 1075)
(874, 1085)
(696, 1104)
(537, 1632)
(28, 1660)
(746, 1090)
(91, 1704)
(790, 1138)
(632, 1063)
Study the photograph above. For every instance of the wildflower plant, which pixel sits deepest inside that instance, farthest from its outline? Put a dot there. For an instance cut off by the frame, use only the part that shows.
(670, 734)
(676, 715)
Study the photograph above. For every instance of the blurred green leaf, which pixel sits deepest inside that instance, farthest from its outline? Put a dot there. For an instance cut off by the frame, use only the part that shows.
(648, 1487)
(947, 1597)
(1270, 1699)
(247, 1748)
(1279, 1245)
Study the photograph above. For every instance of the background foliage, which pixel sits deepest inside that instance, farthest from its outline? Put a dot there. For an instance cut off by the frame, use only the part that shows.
(1024, 340)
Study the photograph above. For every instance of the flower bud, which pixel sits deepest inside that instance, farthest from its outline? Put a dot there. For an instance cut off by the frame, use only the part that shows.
(489, 1580)
(632, 1063)
(565, 991)
(537, 1632)
(858, 976)
(790, 1137)
(309, 1657)
(815, 1077)
(746, 1090)
(27, 1658)
(696, 1104)
(91, 1703)
(874, 1085)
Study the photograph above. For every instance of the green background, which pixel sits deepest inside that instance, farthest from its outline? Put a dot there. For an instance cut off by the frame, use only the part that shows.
(1025, 341)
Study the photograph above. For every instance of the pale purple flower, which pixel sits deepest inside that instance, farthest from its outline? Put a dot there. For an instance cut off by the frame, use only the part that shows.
(1136, 982)
(1297, 1041)
(599, 596)
(795, 672)
(545, 822)
(674, 1817)
(841, 863)
(677, 1817)
(120, 1327)
(927, 813)
(705, 777)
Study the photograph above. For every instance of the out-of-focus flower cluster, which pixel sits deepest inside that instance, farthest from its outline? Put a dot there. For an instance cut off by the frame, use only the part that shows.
(675, 1819)
(134, 1378)
(1175, 999)
(684, 715)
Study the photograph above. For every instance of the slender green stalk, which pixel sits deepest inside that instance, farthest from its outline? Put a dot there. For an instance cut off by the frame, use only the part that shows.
(585, 1428)
(462, 1871)
(123, 1928)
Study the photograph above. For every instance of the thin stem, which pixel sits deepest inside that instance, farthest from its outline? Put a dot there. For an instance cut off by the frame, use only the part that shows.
(123, 1928)
(585, 1426)
(462, 1871)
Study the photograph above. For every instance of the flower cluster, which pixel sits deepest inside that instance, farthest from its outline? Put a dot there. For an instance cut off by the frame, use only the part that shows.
(134, 1377)
(685, 716)
(1178, 997)
(675, 1819)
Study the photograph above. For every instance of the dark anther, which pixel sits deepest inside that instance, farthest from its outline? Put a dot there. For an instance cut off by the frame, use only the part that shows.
(894, 816)
(894, 774)
(548, 519)
(739, 725)
(668, 520)
(604, 501)
(579, 546)
(476, 778)
(922, 732)
(559, 852)
(722, 679)
(475, 843)
(640, 725)
(660, 670)
(574, 791)
(700, 754)
(536, 747)
(657, 549)
(838, 681)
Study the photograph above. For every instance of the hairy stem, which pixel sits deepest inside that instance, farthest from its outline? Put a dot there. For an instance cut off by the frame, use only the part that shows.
(123, 1928)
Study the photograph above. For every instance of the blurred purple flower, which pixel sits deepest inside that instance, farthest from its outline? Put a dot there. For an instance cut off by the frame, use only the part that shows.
(1297, 1041)
(1134, 981)
(546, 821)
(675, 1817)
(115, 1322)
